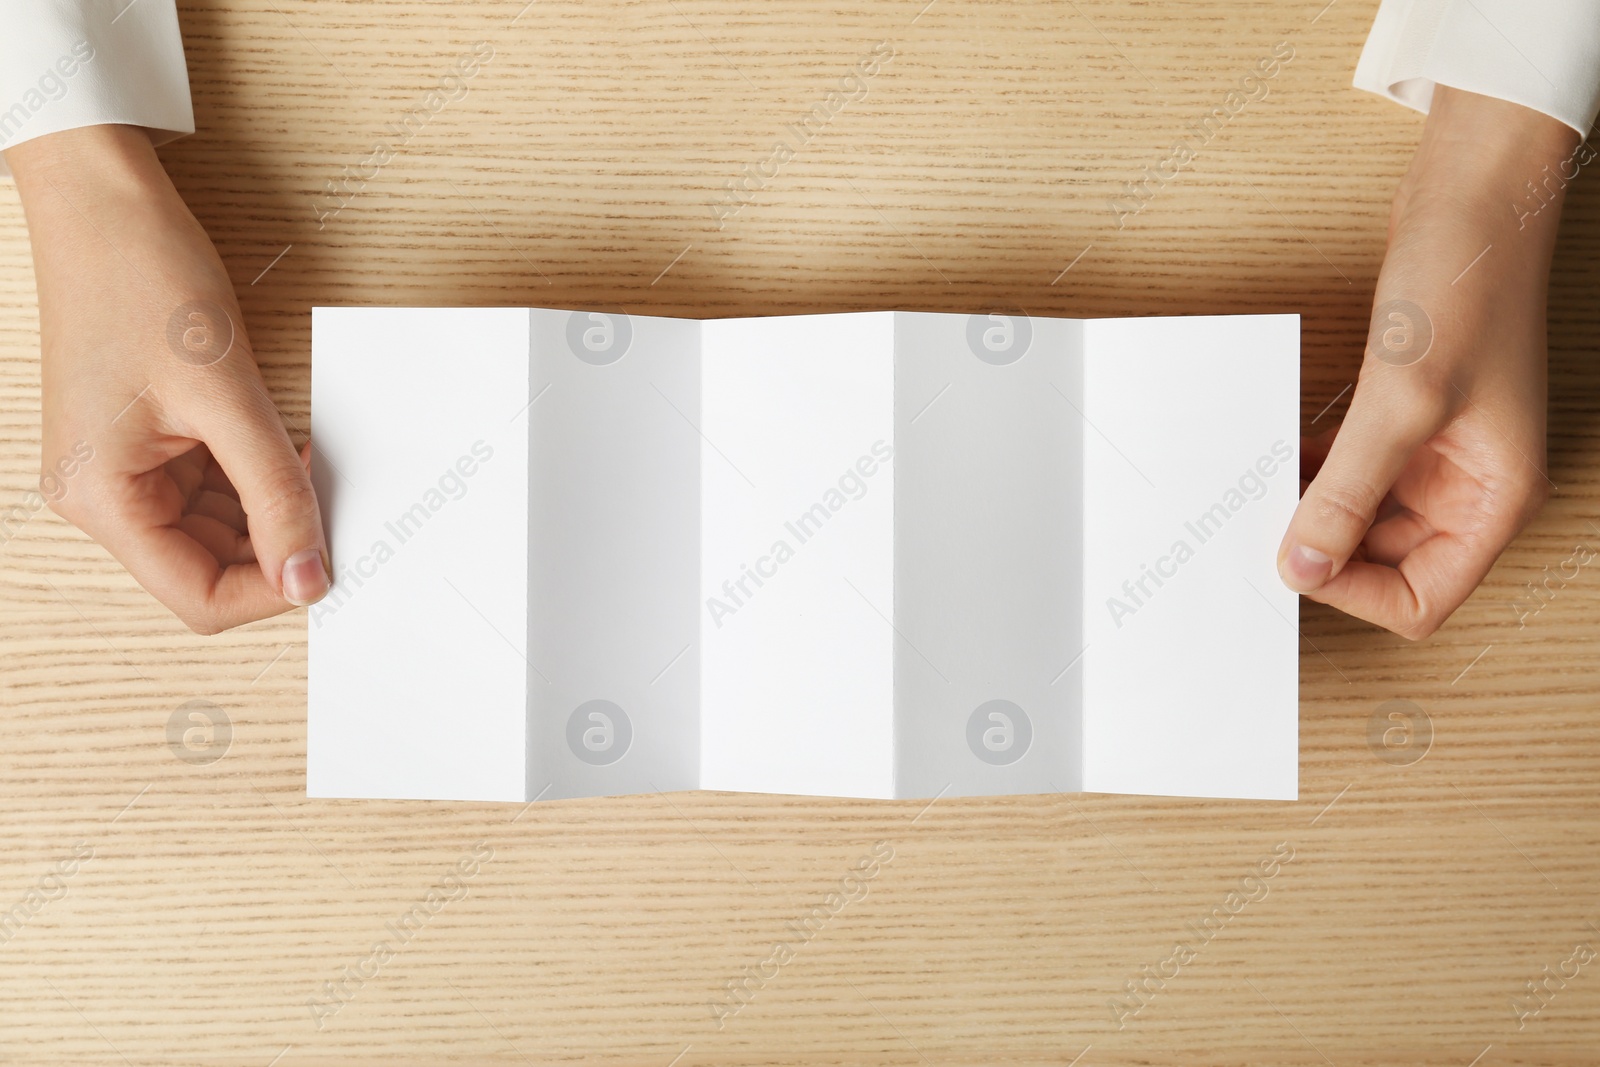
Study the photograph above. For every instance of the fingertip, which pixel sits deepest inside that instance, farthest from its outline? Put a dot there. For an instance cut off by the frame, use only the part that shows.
(1305, 569)
(305, 578)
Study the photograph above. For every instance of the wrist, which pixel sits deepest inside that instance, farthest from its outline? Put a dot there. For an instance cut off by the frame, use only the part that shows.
(1498, 129)
(85, 166)
(1502, 164)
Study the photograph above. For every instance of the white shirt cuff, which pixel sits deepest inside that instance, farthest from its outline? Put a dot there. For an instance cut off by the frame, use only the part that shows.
(71, 63)
(1542, 54)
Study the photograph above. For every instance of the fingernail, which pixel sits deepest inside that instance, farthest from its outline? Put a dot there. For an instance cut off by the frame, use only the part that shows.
(1305, 569)
(305, 581)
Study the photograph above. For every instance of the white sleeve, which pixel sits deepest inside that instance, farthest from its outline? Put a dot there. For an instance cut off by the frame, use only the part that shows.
(1542, 54)
(71, 63)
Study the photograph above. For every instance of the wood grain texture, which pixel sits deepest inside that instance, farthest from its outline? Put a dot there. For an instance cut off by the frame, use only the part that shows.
(577, 170)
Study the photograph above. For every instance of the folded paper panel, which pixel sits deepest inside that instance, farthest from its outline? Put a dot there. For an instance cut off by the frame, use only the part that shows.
(797, 562)
(988, 525)
(613, 553)
(417, 679)
(1190, 477)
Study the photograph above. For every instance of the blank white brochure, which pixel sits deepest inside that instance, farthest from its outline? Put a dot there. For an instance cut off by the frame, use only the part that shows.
(884, 554)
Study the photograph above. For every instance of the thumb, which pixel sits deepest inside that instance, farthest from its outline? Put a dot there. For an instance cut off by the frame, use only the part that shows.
(1372, 446)
(248, 441)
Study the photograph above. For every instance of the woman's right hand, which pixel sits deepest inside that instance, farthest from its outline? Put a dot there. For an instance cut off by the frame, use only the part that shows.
(1441, 459)
(159, 438)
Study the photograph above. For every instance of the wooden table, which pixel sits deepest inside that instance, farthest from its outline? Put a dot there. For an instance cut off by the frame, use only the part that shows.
(206, 906)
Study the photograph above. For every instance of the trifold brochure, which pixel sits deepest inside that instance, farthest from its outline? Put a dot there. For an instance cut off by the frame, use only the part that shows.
(883, 554)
